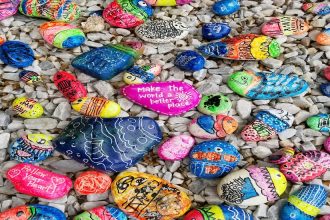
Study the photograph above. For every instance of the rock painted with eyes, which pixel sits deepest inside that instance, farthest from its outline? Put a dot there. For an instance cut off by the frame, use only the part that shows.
(139, 75)
(304, 204)
(226, 7)
(252, 186)
(36, 181)
(102, 213)
(282, 156)
(176, 148)
(8, 8)
(16, 54)
(326, 145)
(109, 144)
(92, 182)
(30, 77)
(321, 8)
(212, 159)
(319, 122)
(215, 31)
(323, 38)
(27, 108)
(189, 61)
(162, 200)
(167, 2)
(214, 104)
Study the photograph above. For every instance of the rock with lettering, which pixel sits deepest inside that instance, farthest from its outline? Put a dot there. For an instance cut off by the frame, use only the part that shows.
(176, 148)
(8, 8)
(325, 89)
(326, 73)
(189, 61)
(139, 75)
(282, 156)
(167, 2)
(326, 145)
(16, 54)
(226, 7)
(319, 122)
(27, 108)
(30, 77)
(36, 181)
(167, 98)
(102, 213)
(92, 182)
(214, 104)
(323, 38)
(158, 199)
(215, 31)
(321, 8)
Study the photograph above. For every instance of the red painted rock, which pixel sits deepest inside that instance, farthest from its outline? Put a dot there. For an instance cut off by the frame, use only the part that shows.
(91, 182)
(176, 148)
(326, 73)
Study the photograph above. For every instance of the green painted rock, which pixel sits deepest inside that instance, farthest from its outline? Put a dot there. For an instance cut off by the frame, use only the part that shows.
(214, 104)
(320, 122)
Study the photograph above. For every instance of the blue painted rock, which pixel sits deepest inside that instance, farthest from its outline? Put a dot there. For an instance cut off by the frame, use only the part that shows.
(16, 54)
(321, 8)
(108, 144)
(325, 89)
(8, 8)
(320, 122)
(226, 7)
(266, 86)
(31, 212)
(139, 75)
(212, 159)
(30, 77)
(189, 61)
(215, 31)
(102, 213)
(305, 204)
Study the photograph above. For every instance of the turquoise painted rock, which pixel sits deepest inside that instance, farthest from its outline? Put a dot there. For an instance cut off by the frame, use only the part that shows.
(214, 104)
(33, 212)
(320, 122)
(102, 213)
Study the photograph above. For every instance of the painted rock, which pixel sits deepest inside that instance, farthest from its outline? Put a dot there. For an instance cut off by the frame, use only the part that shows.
(305, 204)
(139, 75)
(325, 217)
(243, 47)
(252, 186)
(306, 166)
(162, 31)
(62, 35)
(8, 8)
(30, 77)
(168, 98)
(212, 127)
(2, 40)
(127, 13)
(31, 212)
(167, 2)
(267, 124)
(102, 213)
(64, 10)
(215, 31)
(31, 148)
(91, 182)
(265, 85)
(226, 7)
(69, 86)
(16, 54)
(317, 8)
(158, 199)
(282, 156)
(218, 212)
(326, 73)
(106, 62)
(189, 61)
(326, 144)
(214, 104)
(320, 122)
(27, 108)
(176, 148)
(36, 181)
(323, 38)
(109, 144)
(325, 89)
(212, 159)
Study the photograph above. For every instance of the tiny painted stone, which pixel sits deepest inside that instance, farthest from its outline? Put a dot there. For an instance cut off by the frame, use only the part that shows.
(282, 156)
(189, 61)
(162, 31)
(167, 98)
(306, 166)
(325, 89)
(265, 85)
(215, 31)
(243, 47)
(30, 77)
(62, 35)
(212, 159)
(226, 7)
(326, 145)
(321, 8)
(127, 13)
(157, 198)
(27, 108)
(167, 2)
(326, 73)
(267, 124)
(31, 148)
(212, 127)
(252, 186)
(214, 104)
(36, 181)
(304, 204)
(139, 75)
(176, 148)
(92, 182)
(109, 144)
(16, 54)
(8, 8)
(320, 122)
(323, 38)
(102, 213)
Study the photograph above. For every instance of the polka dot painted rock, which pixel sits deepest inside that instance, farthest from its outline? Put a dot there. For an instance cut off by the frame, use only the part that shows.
(212, 159)
(189, 61)
(27, 108)
(326, 73)
(282, 156)
(30, 77)
(176, 148)
(325, 89)
(323, 38)
(215, 31)
(252, 186)
(320, 122)
(167, 2)
(92, 182)
(214, 104)
(102, 213)
(226, 7)
(317, 8)
(326, 145)
(16, 54)
(8, 8)
(139, 75)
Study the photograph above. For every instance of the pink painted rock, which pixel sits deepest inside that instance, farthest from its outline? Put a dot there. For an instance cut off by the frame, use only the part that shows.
(326, 73)
(282, 156)
(168, 98)
(176, 148)
(327, 145)
(36, 181)
(8, 8)
(325, 217)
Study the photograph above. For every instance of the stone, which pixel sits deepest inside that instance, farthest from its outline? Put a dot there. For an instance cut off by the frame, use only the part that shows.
(214, 104)
(27, 108)
(4, 119)
(226, 7)
(102, 213)
(162, 200)
(261, 152)
(320, 122)
(316, 8)
(323, 38)
(282, 156)
(252, 186)
(167, 98)
(30, 77)
(40, 123)
(34, 211)
(176, 148)
(325, 89)
(62, 111)
(36, 181)
(326, 73)
(94, 23)
(8, 8)
(167, 2)
(189, 61)
(326, 145)
(215, 31)
(109, 144)
(92, 182)
(16, 54)
(4, 140)
(144, 74)
(244, 108)
(213, 159)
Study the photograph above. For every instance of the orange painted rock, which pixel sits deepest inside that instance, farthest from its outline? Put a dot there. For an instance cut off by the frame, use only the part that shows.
(323, 38)
(91, 182)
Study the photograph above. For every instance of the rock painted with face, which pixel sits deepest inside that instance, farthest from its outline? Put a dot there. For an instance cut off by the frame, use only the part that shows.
(102, 213)
(139, 75)
(189, 61)
(167, 2)
(30, 77)
(16, 54)
(215, 31)
(27, 108)
(282, 156)
(319, 122)
(214, 104)
(226, 7)
(323, 38)
(326, 145)
(176, 148)
(8, 8)
(92, 182)
(321, 8)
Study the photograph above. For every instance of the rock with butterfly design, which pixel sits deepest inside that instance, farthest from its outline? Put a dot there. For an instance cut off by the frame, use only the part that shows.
(92, 182)
(27, 108)
(215, 31)
(30, 77)
(102, 213)
(323, 38)
(282, 156)
(176, 148)
(326, 145)
(167, 2)
(321, 8)
(319, 122)
(8, 8)
(226, 7)
(16, 54)
(138, 75)
(36, 181)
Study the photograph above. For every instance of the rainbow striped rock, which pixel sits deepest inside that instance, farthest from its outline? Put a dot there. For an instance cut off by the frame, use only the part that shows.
(8, 8)
(317, 8)
(319, 122)
(102, 213)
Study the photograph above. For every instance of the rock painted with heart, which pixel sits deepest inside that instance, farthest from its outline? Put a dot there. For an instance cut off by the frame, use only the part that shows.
(16, 54)
(214, 104)
(27, 108)
(30, 77)
(167, 2)
(176, 148)
(321, 8)
(282, 156)
(319, 122)
(139, 75)
(226, 7)
(8, 8)
(102, 213)
(215, 31)
(92, 182)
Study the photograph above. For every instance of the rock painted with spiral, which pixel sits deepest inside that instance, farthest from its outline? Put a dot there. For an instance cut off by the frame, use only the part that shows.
(16, 54)
(8, 8)
(102, 213)
(92, 182)
(167, 2)
(27, 108)
(319, 122)
(321, 8)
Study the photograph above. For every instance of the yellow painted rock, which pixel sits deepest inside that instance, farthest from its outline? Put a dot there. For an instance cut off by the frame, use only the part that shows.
(27, 108)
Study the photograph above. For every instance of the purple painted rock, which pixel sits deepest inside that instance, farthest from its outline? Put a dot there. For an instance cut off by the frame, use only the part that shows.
(282, 155)
(168, 98)
(176, 148)
(8, 8)
(327, 145)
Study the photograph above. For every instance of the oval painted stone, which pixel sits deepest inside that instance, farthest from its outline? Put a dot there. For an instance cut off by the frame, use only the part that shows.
(176, 148)
(326, 145)
(325, 217)
(317, 8)
(306, 166)
(167, 2)
(265, 85)
(226, 7)
(319, 122)
(212, 159)
(8, 8)
(252, 186)
(62, 35)
(31, 148)
(109, 144)
(158, 198)
(326, 73)
(139, 75)
(323, 38)
(189, 61)
(36, 181)
(27, 108)
(304, 204)
(30, 77)
(167, 98)
(69, 86)
(162, 31)
(214, 104)
(16, 54)
(212, 127)
(325, 89)
(92, 182)
(215, 31)
(102, 213)
(282, 156)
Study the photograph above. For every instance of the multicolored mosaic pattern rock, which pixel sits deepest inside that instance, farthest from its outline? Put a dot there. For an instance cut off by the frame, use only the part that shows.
(323, 38)
(30, 77)
(321, 8)
(27, 108)
(282, 156)
(8, 8)
(189, 61)
(215, 31)
(102, 213)
(226, 7)
(214, 104)
(167, 2)
(176, 148)
(320, 122)
(92, 182)
(16, 54)
(139, 75)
